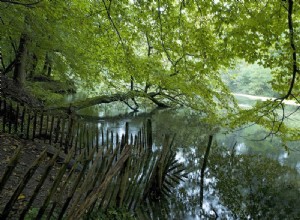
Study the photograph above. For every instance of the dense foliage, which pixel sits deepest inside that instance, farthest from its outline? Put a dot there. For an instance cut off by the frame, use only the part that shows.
(173, 50)
(250, 79)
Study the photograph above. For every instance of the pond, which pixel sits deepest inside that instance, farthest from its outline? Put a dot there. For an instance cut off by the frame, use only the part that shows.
(246, 177)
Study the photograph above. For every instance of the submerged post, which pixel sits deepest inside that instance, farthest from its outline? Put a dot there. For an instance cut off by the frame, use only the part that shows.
(149, 135)
(203, 169)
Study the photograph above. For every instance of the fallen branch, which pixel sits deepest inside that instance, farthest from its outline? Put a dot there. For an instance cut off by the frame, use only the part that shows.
(102, 99)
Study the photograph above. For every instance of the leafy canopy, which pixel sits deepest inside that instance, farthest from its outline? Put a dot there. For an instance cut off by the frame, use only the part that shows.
(174, 49)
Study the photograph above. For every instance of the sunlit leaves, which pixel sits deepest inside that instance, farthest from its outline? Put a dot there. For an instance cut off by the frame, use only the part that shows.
(177, 48)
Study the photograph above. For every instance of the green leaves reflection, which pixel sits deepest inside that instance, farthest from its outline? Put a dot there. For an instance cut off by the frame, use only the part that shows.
(256, 187)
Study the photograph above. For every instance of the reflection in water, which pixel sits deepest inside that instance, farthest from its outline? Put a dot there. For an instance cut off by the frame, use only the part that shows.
(244, 180)
(241, 148)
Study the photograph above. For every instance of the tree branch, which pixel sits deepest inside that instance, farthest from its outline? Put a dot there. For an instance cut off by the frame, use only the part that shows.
(292, 44)
(102, 99)
(10, 38)
(20, 3)
(161, 33)
(107, 8)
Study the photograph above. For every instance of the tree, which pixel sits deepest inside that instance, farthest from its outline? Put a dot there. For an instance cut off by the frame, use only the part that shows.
(171, 52)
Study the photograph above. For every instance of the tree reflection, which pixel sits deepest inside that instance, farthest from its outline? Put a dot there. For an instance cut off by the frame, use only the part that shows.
(256, 187)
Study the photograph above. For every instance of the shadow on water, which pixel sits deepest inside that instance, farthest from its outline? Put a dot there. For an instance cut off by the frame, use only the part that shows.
(244, 179)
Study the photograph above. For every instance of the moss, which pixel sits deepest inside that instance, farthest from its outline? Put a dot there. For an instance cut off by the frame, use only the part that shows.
(49, 92)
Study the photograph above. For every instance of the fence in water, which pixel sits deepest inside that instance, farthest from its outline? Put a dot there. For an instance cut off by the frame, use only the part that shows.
(64, 130)
(98, 170)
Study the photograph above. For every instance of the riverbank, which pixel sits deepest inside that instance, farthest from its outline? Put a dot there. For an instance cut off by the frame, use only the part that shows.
(265, 98)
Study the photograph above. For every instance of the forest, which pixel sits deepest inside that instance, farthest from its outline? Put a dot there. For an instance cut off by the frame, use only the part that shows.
(162, 55)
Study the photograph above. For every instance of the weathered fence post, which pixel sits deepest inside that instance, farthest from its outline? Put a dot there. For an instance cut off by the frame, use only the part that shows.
(34, 125)
(8, 207)
(40, 184)
(149, 135)
(23, 120)
(69, 136)
(62, 133)
(16, 118)
(28, 125)
(57, 130)
(10, 167)
(10, 117)
(51, 129)
(41, 123)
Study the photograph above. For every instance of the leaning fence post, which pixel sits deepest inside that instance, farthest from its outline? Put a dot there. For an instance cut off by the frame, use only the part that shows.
(62, 132)
(41, 123)
(10, 167)
(28, 125)
(40, 184)
(23, 120)
(4, 115)
(34, 125)
(51, 129)
(149, 135)
(56, 130)
(17, 117)
(70, 129)
(8, 207)
(10, 117)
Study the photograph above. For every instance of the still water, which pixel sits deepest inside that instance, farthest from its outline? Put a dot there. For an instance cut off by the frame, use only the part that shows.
(246, 178)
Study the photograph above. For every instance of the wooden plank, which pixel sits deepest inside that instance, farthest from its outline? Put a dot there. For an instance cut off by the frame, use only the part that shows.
(39, 186)
(77, 139)
(74, 187)
(41, 123)
(99, 191)
(86, 185)
(10, 117)
(23, 120)
(149, 140)
(10, 167)
(9, 206)
(97, 137)
(46, 128)
(62, 133)
(88, 143)
(51, 129)
(4, 115)
(34, 124)
(126, 133)
(57, 130)
(28, 125)
(69, 135)
(17, 118)
(55, 184)
(107, 139)
(102, 136)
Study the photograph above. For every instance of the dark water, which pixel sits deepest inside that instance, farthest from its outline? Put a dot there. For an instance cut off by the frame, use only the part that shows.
(245, 178)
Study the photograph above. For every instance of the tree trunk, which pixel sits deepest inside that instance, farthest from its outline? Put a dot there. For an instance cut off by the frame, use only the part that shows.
(108, 99)
(20, 65)
(47, 66)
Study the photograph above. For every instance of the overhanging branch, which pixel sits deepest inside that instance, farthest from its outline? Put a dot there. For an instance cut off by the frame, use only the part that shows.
(104, 99)
(293, 47)
(21, 3)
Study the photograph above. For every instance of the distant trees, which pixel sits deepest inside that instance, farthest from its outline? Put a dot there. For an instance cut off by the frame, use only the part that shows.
(251, 79)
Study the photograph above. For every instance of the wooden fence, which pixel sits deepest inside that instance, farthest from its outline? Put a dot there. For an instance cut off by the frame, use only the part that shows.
(99, 169)
(63, 130)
